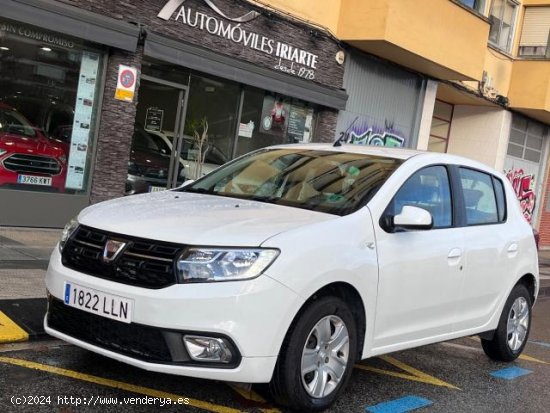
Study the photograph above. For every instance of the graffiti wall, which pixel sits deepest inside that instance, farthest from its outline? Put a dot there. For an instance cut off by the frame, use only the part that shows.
(361, 130)
(524, 187)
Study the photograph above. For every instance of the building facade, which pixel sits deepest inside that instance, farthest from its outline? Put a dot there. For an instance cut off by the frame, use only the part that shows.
(102, 99)
(469, 77)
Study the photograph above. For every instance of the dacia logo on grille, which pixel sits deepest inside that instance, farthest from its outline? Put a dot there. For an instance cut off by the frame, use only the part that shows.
(112, 249)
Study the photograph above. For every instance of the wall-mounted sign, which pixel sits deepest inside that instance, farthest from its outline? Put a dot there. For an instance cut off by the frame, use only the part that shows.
(288, 58)
(80, 136)
(126, 83)
(153, 119)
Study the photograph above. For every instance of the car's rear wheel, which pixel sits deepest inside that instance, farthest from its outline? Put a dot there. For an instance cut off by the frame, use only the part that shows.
(512, 332)
(317, 357)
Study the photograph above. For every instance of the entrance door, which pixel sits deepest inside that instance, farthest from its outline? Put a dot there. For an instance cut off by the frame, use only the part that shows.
(155, 163)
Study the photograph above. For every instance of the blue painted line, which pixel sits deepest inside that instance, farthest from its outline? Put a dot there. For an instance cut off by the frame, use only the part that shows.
(540, 343)
(402, 405)
(510, 373)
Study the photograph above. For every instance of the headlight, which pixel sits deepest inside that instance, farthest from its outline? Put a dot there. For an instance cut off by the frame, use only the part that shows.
(71, 226)
(223, 264)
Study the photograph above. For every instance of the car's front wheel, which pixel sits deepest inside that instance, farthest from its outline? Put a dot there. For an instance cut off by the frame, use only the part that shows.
(317, 357)
(512, 332)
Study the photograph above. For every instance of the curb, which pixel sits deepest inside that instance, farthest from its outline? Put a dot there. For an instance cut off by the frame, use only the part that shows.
(22, 320)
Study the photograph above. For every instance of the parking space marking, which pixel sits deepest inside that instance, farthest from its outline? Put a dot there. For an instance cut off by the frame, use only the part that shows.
(9, 331)
(510, 373)
(117, 384)
(480, 350)
(413, 374)
(402, 405)
(247, 392)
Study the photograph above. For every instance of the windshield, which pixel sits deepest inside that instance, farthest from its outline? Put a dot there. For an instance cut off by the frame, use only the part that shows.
(14, 123)
(333, 182)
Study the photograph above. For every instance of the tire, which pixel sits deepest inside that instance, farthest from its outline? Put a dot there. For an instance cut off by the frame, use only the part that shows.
(513, 328)
(303, 344)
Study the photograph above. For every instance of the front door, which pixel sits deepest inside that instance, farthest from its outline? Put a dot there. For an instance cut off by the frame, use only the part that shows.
(155, 163)
(420, 272)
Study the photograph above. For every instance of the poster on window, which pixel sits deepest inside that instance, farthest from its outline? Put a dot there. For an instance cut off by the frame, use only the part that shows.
(80, 138)
(275, 115)
(299, 123)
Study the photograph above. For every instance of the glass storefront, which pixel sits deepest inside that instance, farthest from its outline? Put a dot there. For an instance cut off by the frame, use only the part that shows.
(189, 123)
(49, 89)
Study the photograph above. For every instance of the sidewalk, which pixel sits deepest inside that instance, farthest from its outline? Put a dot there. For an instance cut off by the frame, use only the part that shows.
(24, 255)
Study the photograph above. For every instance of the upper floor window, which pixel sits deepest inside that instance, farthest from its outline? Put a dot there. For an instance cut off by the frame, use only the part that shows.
(535, 34)
(526, 139)
(477, 5)
(502, 18)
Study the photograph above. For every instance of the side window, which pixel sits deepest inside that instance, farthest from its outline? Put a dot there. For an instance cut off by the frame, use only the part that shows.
(501, 199)
(479, 197)
(428, 189)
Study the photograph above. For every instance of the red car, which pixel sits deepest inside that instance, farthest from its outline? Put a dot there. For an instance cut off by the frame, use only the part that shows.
(28, 159)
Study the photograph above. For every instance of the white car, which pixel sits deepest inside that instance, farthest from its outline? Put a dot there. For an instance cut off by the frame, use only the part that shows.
(290, 264)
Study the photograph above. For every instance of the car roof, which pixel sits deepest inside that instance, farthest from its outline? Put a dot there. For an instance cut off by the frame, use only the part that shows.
(384, 151)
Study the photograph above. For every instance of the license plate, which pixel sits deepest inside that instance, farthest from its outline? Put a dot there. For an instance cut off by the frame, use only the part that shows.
(34, 180)
(157, 188)
(100, 303)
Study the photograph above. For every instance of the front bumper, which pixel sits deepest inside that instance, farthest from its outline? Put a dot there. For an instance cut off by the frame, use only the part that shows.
(255, 315)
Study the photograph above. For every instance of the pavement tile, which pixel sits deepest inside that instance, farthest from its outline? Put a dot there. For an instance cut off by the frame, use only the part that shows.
(9, 253)
(23, 283)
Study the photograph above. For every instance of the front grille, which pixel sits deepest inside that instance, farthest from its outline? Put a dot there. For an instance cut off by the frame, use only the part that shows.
(134, 340)
(23, 163)
(143, 263)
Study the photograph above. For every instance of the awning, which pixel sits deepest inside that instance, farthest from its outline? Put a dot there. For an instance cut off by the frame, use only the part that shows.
(70, 20)
(207, 61)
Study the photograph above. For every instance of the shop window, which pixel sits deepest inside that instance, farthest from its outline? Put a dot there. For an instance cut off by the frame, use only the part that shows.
(477, 5)
(535, 34)
(49, 89)
(272, 119)
(502, 18)
(526, 139)
(441, 127)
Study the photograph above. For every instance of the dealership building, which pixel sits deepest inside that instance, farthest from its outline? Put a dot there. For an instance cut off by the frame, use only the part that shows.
(101, 99)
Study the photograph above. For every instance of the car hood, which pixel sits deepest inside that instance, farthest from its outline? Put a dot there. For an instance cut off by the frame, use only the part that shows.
(197, 219)
(38, 145)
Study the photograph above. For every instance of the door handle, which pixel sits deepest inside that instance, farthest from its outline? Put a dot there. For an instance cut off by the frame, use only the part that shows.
(455, 253)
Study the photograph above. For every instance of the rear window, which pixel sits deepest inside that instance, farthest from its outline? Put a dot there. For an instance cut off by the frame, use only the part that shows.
(325, 181)
(480, 198)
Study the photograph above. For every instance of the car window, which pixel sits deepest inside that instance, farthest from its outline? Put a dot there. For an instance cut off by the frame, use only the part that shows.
(142, 140)
(160, 143)
(429, 189)
(333, 182)
(501, 199)
(479, 197)
(14, 123)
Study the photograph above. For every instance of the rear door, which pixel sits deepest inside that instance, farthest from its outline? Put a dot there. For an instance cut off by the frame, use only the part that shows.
(490, 247)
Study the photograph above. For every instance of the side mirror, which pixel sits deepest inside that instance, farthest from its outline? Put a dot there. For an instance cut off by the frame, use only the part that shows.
(412, 217)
